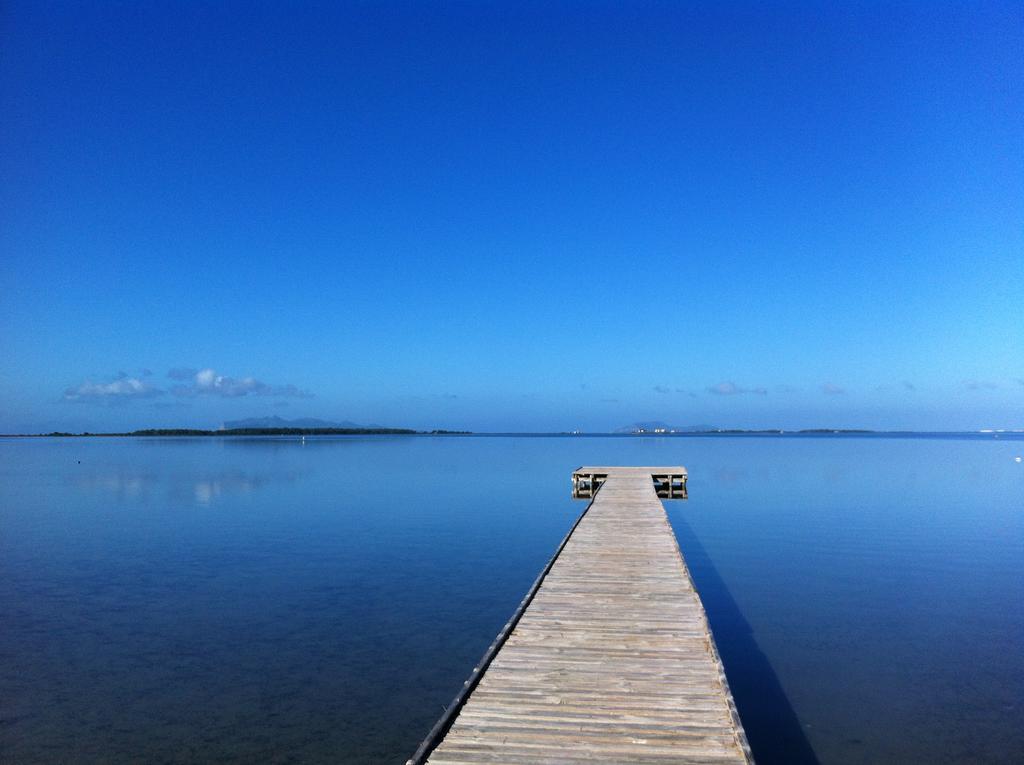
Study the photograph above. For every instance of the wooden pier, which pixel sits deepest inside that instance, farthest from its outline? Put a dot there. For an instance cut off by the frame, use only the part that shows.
(609, 658)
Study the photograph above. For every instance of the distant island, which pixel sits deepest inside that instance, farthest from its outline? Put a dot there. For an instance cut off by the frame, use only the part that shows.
(658, 428)
(265, 432)
(277, 423)
(356, 431)
(277, 426)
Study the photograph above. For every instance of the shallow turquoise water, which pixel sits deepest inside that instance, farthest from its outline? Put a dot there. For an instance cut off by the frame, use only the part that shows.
(240, 600)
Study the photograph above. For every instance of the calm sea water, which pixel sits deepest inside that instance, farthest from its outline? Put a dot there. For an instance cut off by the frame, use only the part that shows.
(243, 600)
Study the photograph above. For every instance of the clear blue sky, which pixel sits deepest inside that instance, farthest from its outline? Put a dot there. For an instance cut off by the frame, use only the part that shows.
(484, 216)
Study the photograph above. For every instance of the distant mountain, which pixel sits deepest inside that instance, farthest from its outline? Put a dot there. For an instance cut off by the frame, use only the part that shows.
(302, 422)
(656, 426)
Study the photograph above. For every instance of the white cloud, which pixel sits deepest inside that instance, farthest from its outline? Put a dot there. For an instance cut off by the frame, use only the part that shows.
(123, 388)
(832, 389)
(206, 382)
(666, 389)
(732, 389)
(202, 382)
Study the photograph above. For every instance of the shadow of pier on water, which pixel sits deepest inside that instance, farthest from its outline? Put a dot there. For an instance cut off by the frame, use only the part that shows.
(772, 727)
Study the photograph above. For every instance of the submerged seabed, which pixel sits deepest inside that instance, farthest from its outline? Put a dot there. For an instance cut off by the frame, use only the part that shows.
(232, 600)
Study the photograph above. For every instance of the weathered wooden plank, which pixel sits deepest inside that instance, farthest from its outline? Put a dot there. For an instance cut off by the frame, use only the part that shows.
(610, 658)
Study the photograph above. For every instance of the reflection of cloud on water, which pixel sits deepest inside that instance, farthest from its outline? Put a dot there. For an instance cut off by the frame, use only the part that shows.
(120, 484)
(208, 489)
(728, 475)
(202, 489)
(835, 473)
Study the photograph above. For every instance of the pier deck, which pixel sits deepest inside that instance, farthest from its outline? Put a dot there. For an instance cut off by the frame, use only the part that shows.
(609, 658)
